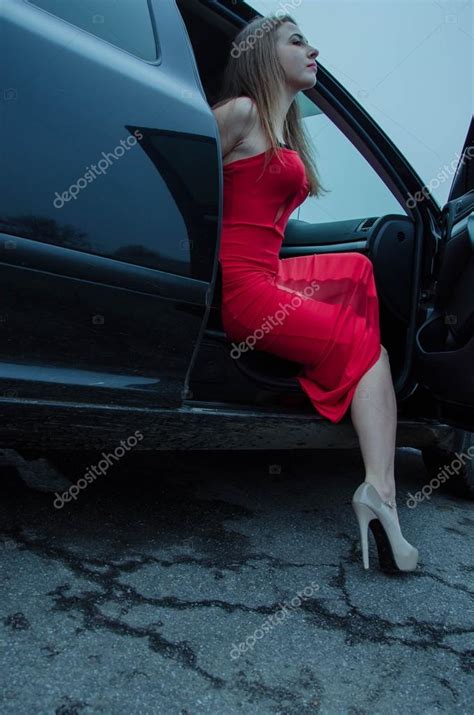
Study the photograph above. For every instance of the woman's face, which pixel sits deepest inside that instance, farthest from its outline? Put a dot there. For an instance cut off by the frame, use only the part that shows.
(295, 56)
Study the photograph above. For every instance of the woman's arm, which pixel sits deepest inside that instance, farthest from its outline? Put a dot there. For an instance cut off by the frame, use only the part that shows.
(233, 120)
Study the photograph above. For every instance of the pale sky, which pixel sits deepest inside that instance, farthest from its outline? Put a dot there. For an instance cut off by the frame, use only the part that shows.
(408, 62)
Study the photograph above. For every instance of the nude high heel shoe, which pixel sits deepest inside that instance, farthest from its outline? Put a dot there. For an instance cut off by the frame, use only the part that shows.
(395, 553)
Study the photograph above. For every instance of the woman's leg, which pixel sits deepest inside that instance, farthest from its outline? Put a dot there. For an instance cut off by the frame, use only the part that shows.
(374, 416)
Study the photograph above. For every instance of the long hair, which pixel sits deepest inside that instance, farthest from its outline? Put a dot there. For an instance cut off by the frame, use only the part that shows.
(253, 70)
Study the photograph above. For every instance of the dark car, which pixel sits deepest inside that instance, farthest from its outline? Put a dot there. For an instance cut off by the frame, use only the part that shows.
(111, 205)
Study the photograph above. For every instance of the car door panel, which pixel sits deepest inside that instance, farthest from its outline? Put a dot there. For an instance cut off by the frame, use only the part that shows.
(67, 313)
(445, 342)
(104, 273)
(444, 352)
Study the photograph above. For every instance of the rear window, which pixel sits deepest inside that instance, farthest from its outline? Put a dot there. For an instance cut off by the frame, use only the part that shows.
(124, 23)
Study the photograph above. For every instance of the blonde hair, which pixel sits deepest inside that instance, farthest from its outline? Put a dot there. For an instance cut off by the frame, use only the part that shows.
(256, 72)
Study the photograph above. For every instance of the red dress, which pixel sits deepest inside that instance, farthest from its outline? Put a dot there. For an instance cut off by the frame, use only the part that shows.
(320, 310)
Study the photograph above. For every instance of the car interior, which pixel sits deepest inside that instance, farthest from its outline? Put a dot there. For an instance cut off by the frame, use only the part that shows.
(389, 240)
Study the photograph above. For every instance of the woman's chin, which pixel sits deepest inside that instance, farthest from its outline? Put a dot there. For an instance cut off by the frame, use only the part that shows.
(311, 83)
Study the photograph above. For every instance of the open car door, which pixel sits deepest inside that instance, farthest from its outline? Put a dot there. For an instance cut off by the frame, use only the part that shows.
(444, 346)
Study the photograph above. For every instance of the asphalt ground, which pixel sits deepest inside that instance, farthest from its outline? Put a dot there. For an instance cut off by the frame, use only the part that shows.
(229, 583)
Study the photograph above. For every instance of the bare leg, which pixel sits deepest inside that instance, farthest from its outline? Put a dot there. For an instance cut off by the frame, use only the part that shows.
(374, 416)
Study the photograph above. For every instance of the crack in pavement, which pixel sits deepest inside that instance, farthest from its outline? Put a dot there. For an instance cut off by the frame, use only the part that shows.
(357, 625)
(360, 627)
(88, 603)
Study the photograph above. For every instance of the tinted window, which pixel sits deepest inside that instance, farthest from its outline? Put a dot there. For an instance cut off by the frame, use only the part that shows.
(124, 23)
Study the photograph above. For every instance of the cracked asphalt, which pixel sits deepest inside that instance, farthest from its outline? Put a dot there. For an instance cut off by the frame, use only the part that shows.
(170, 585)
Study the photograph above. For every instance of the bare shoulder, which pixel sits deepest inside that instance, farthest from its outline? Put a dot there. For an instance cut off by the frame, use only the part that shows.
(234, 119)
(237, 109)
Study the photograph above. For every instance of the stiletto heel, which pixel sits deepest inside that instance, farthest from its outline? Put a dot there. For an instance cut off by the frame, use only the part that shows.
(394, 551)
(364, 515)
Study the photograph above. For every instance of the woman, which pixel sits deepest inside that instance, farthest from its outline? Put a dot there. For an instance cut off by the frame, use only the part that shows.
(319, 310)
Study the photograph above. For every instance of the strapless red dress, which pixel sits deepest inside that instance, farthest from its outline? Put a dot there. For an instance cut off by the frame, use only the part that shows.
(320, 310)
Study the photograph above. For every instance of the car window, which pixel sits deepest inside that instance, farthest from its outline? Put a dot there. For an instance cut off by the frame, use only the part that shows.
(123, 23)
(355, 190)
